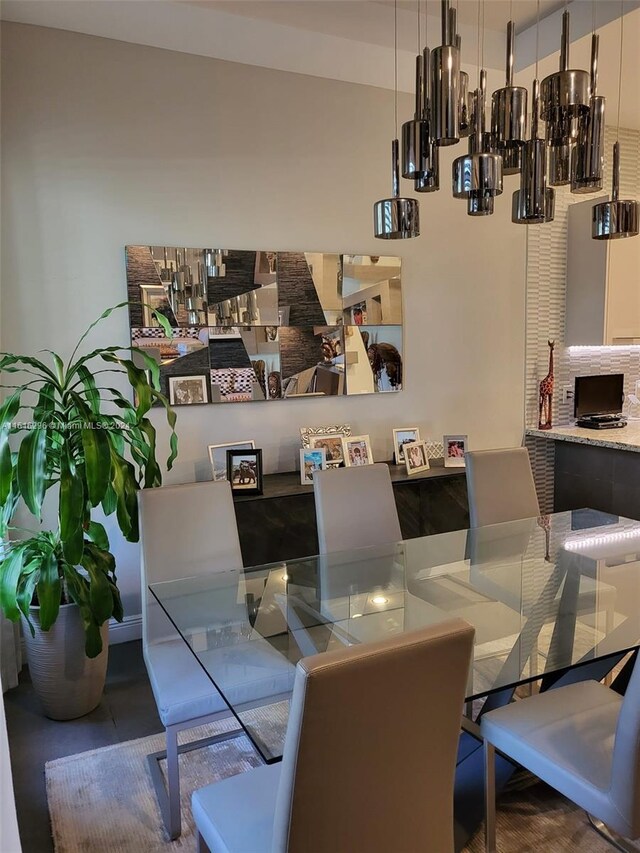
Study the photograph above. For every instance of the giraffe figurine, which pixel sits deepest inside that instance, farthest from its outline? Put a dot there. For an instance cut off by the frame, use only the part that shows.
(546, 393)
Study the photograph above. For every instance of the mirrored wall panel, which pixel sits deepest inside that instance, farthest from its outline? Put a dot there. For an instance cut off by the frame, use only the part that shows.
(267, 325)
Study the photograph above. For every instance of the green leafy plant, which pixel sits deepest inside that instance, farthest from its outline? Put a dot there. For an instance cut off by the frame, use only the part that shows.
(98, 448)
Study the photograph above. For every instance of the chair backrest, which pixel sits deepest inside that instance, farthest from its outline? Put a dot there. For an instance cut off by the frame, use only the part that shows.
(625, 775)
(185, 531)
(500, 486)
(370, 751)
(355, 507)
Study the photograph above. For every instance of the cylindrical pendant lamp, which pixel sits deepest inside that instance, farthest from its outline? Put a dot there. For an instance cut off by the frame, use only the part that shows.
(587, 157)
(509, 114)
(534, 202)
(615, 219)
(445, 85)
(396, 218)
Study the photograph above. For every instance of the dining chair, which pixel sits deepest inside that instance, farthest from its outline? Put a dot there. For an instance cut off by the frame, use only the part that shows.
(355, 508)
(500, 486)
(373, 732)
(501, 489)
(185, 531)
(581, 739)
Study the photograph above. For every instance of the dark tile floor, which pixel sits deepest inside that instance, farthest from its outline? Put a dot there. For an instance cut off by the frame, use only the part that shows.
(127, 711)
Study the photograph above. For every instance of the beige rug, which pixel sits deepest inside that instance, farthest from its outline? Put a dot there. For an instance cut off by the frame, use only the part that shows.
(103, 801)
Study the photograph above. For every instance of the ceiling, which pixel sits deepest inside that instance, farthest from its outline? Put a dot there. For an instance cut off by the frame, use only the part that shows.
(363, 21)
(352, 40)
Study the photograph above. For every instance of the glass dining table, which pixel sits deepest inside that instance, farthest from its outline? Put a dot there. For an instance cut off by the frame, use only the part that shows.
(553, 599)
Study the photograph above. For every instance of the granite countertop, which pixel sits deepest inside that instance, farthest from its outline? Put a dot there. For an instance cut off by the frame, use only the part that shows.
(627, 438)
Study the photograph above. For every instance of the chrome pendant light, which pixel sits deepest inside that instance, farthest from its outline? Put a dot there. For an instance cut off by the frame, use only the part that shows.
(477, 176)
(415, 133)
(430, 181)
(463, 99)
(396, 218)
(616, 218)
(509, 115)
(587, 157)
(564, 97)
(214, 262)
(534, 202)
(445, 84)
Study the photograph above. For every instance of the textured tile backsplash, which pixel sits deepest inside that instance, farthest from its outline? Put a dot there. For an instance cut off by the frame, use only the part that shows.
(546, 301)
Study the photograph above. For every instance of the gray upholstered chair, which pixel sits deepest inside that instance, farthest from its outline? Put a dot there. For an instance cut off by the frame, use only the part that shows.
(369, 756)
(583, 740)
(355, 508)
(500, 486)
(187, 531)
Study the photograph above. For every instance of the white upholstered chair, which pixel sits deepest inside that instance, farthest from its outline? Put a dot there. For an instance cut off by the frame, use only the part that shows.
(500, 486)
(583, 740)
(185, 531)
(369, 757)
(355, 508)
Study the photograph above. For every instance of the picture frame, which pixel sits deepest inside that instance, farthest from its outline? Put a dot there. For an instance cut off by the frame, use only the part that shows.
(244, 471)
(455, 446)
(311, 460)
(331, 443)
(416, 457)
(218, 456)
(357, 450)
(402, 436)
(154, 298)
(334, 429)
(188, 390)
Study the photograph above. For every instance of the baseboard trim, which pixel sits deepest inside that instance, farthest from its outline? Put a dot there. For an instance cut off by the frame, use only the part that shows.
(123, 632)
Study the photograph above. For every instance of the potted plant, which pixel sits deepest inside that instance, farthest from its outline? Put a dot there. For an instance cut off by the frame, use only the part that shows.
(80, 440)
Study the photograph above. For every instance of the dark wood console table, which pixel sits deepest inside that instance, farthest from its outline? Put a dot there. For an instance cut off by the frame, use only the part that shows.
(280, 524)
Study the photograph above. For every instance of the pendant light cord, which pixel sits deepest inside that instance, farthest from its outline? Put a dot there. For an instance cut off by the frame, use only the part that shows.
(395, 67)
(478, 46)
(418, 12)
(483, 33)
(620, 69)
(537, 35)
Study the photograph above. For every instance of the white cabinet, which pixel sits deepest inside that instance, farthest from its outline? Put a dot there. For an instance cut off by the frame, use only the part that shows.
(603, 284)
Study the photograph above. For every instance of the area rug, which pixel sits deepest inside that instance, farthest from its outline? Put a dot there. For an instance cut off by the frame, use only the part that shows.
(103, 801)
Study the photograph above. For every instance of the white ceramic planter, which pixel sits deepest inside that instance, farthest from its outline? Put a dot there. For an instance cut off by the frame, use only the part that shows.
(68, 683)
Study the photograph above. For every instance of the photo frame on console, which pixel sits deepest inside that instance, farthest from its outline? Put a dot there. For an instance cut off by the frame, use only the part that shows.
(416, 457)
(218, 456)
(402, 436)
(244, 471)
(455, 446)
(311, 460)
(307, 433)
(357, 450)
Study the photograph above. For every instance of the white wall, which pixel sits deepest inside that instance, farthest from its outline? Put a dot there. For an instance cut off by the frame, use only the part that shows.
(106, 143)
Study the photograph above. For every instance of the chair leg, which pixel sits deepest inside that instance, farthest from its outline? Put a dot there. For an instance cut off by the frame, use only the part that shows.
(612, 837)
(490, 797)
(201, 844)
(173, 784)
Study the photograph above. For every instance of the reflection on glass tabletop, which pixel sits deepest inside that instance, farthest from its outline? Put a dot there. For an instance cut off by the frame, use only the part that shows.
(543, 594)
